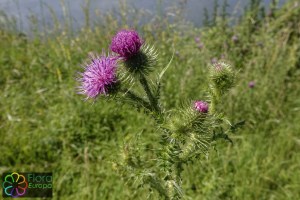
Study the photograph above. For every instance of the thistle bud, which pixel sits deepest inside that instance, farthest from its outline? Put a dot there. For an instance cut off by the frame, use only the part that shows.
(201, 106)
(222, 78)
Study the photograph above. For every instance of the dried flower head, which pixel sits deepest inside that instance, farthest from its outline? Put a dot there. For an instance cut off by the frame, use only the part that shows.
(126, 43)
(201, 106)
(99, 76)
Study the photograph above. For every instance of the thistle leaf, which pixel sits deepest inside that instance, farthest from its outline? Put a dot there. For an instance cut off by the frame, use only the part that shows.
(168, 65)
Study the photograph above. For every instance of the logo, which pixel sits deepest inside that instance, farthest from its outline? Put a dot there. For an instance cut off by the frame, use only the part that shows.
(29, 184)
(15, 185)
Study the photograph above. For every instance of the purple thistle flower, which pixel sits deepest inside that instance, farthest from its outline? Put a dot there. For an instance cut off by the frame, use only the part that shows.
(99, 75)
(197, 39)
(126, 43)
(201, 106)
(251, 84)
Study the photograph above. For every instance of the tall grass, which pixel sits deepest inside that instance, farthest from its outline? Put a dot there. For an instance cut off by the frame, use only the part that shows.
(45, 127)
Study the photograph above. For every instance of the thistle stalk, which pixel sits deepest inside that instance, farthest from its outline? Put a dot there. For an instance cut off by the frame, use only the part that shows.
(185, 133)
(137, 99)
(151, 98)
(173, 170)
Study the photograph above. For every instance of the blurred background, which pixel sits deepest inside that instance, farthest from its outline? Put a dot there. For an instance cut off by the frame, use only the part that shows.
(194, 10)
(45, 126)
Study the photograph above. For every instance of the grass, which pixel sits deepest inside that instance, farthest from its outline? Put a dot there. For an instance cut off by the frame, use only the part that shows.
(45, 125)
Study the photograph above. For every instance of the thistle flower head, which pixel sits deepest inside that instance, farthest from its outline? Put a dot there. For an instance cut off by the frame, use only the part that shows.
(201, 106)
(126, 43)
(222, 77)
(99, 76)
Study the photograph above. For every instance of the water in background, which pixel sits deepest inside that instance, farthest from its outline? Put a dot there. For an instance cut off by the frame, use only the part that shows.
(194, 9)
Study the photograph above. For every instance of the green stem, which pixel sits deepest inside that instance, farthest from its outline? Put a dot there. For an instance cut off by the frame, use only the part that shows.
(152, 99)
(173, 170)
(137, 99)
(214, 100)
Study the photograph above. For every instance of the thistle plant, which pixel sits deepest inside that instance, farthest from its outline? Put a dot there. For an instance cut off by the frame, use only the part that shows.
(186, 133)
